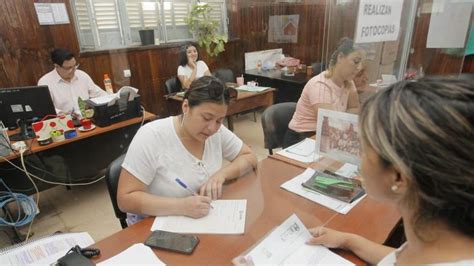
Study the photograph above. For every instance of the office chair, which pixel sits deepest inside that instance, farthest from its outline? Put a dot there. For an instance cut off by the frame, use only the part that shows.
(225, 75)
(318, 67)
(112, 176)
(275, 120)
(172, 85)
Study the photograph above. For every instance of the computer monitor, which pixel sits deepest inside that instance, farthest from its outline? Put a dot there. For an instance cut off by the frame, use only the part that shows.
(21, 106)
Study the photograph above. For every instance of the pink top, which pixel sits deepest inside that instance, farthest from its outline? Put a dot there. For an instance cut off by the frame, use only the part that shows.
(318, 90)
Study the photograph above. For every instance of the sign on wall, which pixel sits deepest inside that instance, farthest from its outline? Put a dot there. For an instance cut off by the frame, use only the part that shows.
(51, 14)
(378, 20)
(283, 29)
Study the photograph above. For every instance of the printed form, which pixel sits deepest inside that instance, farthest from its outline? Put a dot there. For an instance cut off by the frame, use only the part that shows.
(287, 245)
(226, 217)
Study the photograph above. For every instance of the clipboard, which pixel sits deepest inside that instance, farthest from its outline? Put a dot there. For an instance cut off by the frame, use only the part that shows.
(335, 186)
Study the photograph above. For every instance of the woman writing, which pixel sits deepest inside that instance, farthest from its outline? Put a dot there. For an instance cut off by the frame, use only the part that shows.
(332, 89)
(189, 147)
(417, 154)
(190, 67)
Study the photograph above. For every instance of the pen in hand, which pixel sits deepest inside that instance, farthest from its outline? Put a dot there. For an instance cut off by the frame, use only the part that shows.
(183, 185)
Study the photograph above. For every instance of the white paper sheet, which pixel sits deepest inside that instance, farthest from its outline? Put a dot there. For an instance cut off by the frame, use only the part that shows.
(110, 99)
(45, 250)
(303, 151)
(294, 185)
(252, 88)
(286, 246)
(348, 170)
(137, 254)
(226, 217)
(448, 25)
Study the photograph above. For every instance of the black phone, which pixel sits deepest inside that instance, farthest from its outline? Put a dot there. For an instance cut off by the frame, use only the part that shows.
(172, 241)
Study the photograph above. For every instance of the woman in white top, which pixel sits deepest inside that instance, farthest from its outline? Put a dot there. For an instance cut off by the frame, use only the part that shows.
(190, 147)
(190, 67)
(417, 143)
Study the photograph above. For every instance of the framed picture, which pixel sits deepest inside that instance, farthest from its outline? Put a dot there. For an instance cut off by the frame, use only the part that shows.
(337, 136)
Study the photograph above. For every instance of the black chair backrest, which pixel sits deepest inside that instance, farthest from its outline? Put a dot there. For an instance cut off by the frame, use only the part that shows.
(225, 75)
(275, 120)
(112, 176)
(318, 67)
(172, 85)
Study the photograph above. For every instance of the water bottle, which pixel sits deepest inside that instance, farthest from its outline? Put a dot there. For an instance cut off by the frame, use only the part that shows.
(108, 84)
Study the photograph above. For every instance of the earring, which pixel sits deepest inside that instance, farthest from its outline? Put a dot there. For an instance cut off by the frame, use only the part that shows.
(182, 119)
(394, 188)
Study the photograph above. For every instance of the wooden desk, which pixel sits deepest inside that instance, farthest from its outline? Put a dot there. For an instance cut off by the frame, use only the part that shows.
(35, 147)
(245, 101)
(289, 87)
(83, 158)
(267, 206)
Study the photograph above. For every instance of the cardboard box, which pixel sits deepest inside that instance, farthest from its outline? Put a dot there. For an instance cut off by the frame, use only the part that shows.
(389, 52)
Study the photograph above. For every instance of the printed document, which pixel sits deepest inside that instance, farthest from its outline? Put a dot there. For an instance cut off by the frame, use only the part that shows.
(303, 151)
(294, 185)
(111, 98)
(348, 170)
(44, 250)
(137, 254)
(226, 217)
(286, 245)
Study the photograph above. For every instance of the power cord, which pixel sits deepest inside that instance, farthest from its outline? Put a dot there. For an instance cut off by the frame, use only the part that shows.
(86, 252)
(22, 151)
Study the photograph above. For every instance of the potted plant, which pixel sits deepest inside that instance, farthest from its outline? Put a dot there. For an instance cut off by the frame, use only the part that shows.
(205, 29)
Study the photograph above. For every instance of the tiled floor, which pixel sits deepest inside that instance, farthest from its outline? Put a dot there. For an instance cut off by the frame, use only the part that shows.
(88, 208)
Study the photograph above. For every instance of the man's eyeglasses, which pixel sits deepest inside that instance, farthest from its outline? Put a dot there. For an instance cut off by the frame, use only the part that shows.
(71, 68)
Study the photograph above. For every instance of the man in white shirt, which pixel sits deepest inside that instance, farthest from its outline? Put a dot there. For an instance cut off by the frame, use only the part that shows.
(66, 83)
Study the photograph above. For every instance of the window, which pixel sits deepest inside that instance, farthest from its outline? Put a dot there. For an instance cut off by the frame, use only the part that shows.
(110, 24)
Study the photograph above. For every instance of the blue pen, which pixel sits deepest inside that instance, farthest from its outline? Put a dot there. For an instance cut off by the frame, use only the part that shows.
(183, 185)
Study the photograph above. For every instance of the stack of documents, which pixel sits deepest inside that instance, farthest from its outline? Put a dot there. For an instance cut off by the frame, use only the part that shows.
(252, 88)
(303, 151)
(44, 250)
(286, 245)
(225, 217)
(294, 185)
(111, 98)
(137, 254)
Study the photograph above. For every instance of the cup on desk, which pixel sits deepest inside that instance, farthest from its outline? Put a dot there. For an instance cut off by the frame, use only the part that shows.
(309, 70)
(86, 123)
(240, 81)
(252, 83)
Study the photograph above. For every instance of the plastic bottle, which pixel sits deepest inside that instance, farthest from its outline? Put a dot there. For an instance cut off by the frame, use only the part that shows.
(108, 84)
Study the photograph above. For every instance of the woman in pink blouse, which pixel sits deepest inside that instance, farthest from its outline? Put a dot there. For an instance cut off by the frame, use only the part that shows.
(332, 89)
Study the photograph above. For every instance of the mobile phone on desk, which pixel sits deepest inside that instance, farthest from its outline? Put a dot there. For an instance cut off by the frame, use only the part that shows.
(172, 241)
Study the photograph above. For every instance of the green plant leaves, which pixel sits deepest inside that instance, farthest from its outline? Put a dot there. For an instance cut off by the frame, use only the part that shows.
(205, 29)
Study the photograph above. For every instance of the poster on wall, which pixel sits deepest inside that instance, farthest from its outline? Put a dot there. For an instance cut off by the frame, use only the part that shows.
(51, 14)
(283, 29)
(378, 20)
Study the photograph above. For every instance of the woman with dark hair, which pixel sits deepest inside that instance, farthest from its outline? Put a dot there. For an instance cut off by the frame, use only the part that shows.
(190, 147)
(332, 89)
(417, 153)
(190, 67)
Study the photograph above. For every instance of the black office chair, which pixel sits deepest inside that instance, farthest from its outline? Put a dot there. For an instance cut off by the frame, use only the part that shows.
(318, 67)
(275, 120)
(225, 75)
(172, 85)
(112, 176)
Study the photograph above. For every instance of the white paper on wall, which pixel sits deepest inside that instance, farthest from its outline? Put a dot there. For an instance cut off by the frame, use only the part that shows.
(448, 27)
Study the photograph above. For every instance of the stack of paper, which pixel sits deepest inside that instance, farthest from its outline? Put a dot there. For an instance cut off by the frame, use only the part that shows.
(286, 245)
(110, 99)
(294, 185)
(303, 151)
(44, 250)
(252, 88)
(226, 217)
(137, 254)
